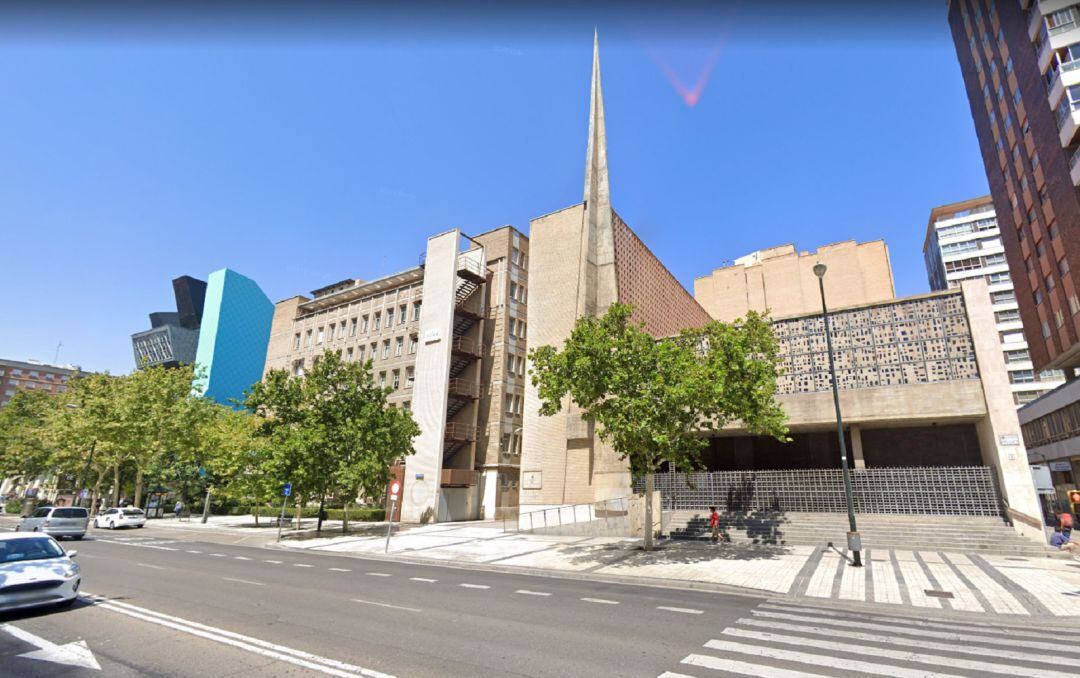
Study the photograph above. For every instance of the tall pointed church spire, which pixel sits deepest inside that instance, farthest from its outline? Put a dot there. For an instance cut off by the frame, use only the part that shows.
(597, 190)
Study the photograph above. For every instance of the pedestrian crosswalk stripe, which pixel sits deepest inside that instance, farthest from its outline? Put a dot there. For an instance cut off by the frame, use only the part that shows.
(997, 595)
(672, 674)
(733, 666)
(902, 655)
(959, 648)
(841, 663)
(953, 626)
(964, 636)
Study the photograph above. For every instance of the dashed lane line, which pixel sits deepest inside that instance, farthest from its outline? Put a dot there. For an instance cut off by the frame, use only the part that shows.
(152, 567)
(244, 581)
(302, 565)
(241, 558)
(378, 574)
(217, 555)
(392, 607)
(193, 551)
(273, 562)
(683, 610)
(474, 586)
(601, 601)
(526, 592)
(339, 569)
(423, 579)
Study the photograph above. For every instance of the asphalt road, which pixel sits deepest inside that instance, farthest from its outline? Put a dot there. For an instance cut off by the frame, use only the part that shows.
(163, 602)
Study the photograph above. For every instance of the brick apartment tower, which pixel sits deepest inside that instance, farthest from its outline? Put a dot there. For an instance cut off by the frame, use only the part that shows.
(1020, 60)
(562, 460)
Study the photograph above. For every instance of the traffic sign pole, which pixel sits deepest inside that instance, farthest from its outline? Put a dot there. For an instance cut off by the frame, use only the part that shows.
(393, 506)
(285, 492)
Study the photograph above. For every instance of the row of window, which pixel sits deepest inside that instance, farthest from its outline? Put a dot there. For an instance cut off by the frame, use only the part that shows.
(370, 352)
(975, 263)
(517, 292)
(515, 404)
(374, 322)
(515, 365)
(516, 328)
(1057, 425)
(969, 227)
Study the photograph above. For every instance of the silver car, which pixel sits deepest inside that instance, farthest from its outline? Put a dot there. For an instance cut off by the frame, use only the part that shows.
(59, 521)
(35, 570)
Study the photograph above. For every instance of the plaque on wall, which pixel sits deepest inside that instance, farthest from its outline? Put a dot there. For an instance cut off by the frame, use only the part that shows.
(532, 480)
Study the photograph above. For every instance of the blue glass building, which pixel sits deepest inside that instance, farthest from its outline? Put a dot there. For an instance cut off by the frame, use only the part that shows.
(233, 337)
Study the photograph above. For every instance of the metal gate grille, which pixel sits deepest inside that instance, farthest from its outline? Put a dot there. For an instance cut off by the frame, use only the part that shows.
(946, 490)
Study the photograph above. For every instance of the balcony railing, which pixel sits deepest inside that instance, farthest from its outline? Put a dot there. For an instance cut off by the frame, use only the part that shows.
(470, 268)
(464, 388)
(459, 433)
(458, 477)
(466, 346)
(1067, 66)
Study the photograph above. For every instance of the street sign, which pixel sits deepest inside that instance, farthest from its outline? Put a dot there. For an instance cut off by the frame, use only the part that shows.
(394, 489)
(1061, 466)
(84, 494)
(287, 490)
(202, 472)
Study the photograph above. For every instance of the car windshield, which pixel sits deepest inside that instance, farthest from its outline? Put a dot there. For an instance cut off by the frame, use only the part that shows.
(132, 512)
(29, 548)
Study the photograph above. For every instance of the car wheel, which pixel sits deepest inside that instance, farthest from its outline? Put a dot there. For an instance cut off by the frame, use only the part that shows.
(77, 537)
(112, 525)
(141, 525)
(96, 526)
(16, 528)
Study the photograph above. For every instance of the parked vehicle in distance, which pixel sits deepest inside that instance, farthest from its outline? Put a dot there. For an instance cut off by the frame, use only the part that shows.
(35, 570)
(120, 517)
(59, 521)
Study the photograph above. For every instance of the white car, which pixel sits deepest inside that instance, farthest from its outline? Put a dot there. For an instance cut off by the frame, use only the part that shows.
(35, 570)
(120, 517)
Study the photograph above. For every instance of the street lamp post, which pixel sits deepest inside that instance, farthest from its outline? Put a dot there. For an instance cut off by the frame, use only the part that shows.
(853, 540)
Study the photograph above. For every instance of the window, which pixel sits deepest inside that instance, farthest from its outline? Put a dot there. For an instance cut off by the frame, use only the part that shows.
(1031, 216)
(1022, 376)
(360, 353)
(364, 324)
(1001, 94)
(409, 377)
(416, 312)
(332, 328)
(396, 379)
(378, 321)
(1049, 282)
(374, 351)
(994, 259)
(399, 344)
(1034, 161)
(1040, 249)
(349, 354)
(352, 327)
(1007, 316)
(1004, 297)
(406, 405)
(512, 327)
(951, 248)
(298, 368)
(386, 349)
(382, 379)
(389, 317)
(1059, 317)
(1063, 267)
(1016, 98)
(307, 339)
(321, 335)
(1074, 304)
(412, 344)
(1009, 66)
(1027, 264)
(296, 342)
(1017, 356)
(1038, 297)
(402, 316)
(1046, 331)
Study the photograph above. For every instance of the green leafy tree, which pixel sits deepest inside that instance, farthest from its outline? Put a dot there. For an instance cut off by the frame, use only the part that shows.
(652, 398)
(332, 431)
(24, 440)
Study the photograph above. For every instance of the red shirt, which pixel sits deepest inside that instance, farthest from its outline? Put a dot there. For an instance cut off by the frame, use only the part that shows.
(714, 519)
(1065, 520)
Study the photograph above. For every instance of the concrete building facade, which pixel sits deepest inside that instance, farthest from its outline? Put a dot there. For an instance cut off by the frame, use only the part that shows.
(781, 280)
(173, 337)
(33, 375)
(448, 337)
(963, 242)
(233, 335)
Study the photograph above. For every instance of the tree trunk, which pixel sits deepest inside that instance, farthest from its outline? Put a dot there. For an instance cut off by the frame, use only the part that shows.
(255, 510)
(648, 511)
(206, 506)
(299, 512)
(318, 525)
(138, 488)
(96, 493)
(116, 485)
(345, 521)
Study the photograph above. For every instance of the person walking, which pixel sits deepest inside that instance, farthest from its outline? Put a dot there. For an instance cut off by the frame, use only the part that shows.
(179, 508)
(714, 524)
(1064, 522)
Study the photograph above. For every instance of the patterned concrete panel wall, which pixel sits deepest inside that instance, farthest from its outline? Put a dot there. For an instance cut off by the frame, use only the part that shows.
(912, 341)
(660, 302)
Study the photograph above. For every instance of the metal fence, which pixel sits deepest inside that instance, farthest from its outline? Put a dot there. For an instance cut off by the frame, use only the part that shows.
(606, 515)
(947, 490)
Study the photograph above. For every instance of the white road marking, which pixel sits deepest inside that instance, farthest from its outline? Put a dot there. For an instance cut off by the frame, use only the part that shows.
(672, 674)
(742, 668)
(71, 654)
(218, 555)
(243, 581)
(684, 610)
(190, 551)
(339, 569)
(393, 607)
(302, 565)
(429, 581)
(273, 562)
(241, 558)
(601, 601)
(378, 574)
(841, 663)
(901, 655)
(474, 586)
(325, 665)
(524, 592)
(153, 567)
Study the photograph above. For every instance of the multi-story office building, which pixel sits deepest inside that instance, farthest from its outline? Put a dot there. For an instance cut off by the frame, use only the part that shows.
(1021, 67)
(781, 280)
(448, 337)
(1019, 62)
(233, 334)
(33, 375)
(963, 242)
(173, 337)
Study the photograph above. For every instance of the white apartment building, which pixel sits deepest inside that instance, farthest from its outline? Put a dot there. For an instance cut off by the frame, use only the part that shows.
(963, 242)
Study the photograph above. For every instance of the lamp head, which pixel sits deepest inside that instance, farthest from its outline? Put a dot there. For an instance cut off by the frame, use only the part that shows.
(819, 269)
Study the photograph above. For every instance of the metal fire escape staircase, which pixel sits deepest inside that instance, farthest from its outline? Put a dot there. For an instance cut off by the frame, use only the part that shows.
(468, 311)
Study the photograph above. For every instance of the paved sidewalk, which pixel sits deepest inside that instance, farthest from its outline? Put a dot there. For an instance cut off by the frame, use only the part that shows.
(963, 582)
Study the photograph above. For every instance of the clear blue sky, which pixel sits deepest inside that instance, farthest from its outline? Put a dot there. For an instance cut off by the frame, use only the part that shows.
(301, 153)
